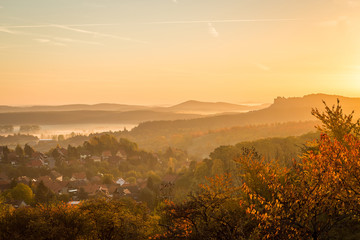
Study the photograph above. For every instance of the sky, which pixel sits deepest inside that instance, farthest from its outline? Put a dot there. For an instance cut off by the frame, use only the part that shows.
(158, 52)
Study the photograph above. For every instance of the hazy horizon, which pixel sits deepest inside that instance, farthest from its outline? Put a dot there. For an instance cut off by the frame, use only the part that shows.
(170, 51)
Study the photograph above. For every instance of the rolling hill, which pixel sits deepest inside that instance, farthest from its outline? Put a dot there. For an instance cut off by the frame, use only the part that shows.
(282, 110)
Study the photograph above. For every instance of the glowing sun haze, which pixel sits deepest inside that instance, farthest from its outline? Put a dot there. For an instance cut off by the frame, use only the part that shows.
(167, 51)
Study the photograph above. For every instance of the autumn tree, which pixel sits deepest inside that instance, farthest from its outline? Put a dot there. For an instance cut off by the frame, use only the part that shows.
(213, 212)
(335, 123)
(117, 219)
(315, 197)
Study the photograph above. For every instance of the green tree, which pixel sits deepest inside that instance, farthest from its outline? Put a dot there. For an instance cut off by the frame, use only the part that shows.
(22, 192)
(128, 146)
(201, 171)
(217, 167)
(108, 178)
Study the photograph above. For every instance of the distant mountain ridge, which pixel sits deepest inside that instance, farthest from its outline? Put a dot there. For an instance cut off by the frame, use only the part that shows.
(282, 110)
(181, 116)
(197, 106)
(75, 107)
(186, 107)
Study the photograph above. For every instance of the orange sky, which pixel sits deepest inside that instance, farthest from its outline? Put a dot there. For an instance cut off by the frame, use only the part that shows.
(167, 51)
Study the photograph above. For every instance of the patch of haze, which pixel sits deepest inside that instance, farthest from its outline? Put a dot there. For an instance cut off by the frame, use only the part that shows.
(68, 130)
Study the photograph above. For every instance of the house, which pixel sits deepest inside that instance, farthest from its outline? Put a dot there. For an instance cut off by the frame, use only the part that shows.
(96, 158)
(36, 163)
(59, 187)
(18, 204)
(38, 156)
(56, 176)
(12, 157)
(79, 176)
(84, 156)
(74, 203)
(96, 189)
(120, 181)
(96, 179)
(121, 155)
(4, 177)
(24, 179)
(127, 190)
(60, 153)
(50, 162)
(106, 155)
(103, 190)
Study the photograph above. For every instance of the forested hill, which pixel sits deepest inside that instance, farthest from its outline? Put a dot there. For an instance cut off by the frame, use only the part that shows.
(282, 110)
(213, 107)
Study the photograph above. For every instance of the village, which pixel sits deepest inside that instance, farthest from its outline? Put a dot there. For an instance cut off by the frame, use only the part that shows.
(102, 168)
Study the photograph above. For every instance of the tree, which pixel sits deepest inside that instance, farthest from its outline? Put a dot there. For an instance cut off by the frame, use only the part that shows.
(108, 178)
(318, 195)
(128, 146)
(43, 195)
(19, 151)
(45, 222)
(117, 219)
(335, 123)
(29, 151)
(22, 192)
(201, 171)
(213, 212)
(217, 167)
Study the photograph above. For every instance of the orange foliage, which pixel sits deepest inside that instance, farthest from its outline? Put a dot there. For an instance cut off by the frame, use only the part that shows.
(307, 201)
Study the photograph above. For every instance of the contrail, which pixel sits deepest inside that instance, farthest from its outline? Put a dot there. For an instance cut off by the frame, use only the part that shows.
(229, 21)
(160, 22)
(72, 27)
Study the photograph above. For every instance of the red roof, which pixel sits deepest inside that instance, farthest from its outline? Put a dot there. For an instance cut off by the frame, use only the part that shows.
(106, 154)
(54, 186)
(169, 178)
(79, 175)
(35, 163)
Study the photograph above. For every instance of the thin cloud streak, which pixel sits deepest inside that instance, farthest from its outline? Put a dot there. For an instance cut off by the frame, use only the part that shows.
(72, 27)
(49, 42)
(160, 22)
(97, 34)
(6, 30)
(57, 41)
(228, 21)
